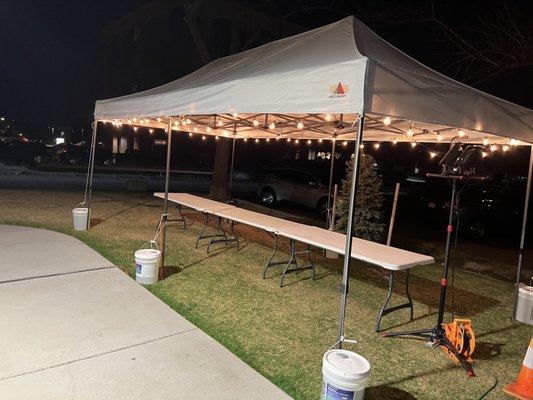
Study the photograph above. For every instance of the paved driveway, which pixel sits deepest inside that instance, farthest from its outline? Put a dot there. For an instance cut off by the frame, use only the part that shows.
(72, 326)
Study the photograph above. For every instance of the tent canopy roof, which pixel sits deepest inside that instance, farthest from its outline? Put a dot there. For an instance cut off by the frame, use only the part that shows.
(323, 78)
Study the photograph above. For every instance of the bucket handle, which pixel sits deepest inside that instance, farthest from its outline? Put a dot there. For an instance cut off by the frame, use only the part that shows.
(152, 243)
(80, 204)
(343, 340)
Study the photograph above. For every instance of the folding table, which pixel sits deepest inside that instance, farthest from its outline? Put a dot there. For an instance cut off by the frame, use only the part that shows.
(387, 257)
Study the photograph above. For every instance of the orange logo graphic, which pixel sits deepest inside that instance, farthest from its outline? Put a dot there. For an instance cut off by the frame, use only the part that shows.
(339, 90)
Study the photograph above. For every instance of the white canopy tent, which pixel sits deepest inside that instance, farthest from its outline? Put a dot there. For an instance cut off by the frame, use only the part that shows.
(339, 81)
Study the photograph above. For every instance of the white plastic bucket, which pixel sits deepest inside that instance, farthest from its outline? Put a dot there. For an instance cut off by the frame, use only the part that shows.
(79, 216)
(147, 262)
(524, 305)
(345, 375)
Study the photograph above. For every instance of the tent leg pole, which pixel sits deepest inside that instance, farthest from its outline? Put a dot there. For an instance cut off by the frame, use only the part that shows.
(231, 167)
(90, 172)
(164, 217)
(331, 167)
(88, 166)
(349, 230)
(523, 233)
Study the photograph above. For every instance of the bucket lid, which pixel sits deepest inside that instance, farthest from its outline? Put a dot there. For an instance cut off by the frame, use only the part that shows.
(80, 210)
(527, 290)
(147, 253)
(346, 364)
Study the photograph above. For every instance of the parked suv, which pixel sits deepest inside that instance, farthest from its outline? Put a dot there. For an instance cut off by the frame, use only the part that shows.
(293, 185)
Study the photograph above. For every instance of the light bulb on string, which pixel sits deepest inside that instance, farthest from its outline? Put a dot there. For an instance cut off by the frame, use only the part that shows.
(362, 146)
(439, 137)
(288, 139)
(300, 125)
(505, 148)
(272, 125)
(135, 129)
(387, 121)
(151, 130)
(395, 140)
(513, 142)
(134, 119)
(410, 132)
(203, 137)
(297, 141)
(216, 137)
(485, 141)
(328, 117)
(256, 140)
(226, 133)
(277, 138)
(129, 121)
(245, 139)
(320, 140)
(432, 154)
(255, 123)
(235, 115)
(208, 129)
(267, 140)
(188, 121)
(190, 134)
(176, 122)
(461, 133)
(195, 128)
(308, 141)
(413, 144)
(484, 154)
(345, 143)
(493, 148)
(158, 119)
(377, 146)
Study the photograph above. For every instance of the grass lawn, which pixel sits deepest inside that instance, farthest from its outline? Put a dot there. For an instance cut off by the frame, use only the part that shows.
(283, 333)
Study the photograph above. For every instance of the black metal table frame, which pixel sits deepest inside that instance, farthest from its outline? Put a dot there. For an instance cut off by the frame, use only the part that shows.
(220, 235)
(292, 260)
(384, 310)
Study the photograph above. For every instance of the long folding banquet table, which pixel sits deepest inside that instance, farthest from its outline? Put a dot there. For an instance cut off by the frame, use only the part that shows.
(387, 257)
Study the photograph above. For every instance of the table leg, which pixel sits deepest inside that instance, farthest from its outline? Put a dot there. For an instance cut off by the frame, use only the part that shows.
(201, 235)
(384, 310)
(293, 260)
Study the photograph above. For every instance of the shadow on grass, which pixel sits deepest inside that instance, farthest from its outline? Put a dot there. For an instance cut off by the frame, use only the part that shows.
(387, 392)
(487, 350)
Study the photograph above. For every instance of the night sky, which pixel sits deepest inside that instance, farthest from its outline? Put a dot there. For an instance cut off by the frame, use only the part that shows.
(51, 59)
(51, 65)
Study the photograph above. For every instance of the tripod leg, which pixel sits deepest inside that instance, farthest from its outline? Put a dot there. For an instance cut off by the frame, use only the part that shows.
(409, 300)
(421, 333)
(468, 368)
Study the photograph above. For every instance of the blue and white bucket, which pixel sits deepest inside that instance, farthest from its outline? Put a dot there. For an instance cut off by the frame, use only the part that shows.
(147, 263)
(345, 375)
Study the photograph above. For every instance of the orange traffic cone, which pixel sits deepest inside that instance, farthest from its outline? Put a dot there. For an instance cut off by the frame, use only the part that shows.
(523, 387)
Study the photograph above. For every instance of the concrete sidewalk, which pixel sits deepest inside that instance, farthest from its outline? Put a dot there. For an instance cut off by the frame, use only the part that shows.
(72, 326)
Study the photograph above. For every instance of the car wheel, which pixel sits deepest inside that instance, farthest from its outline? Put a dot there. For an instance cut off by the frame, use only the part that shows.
(322, 207)
(476, 229)
(268, 197)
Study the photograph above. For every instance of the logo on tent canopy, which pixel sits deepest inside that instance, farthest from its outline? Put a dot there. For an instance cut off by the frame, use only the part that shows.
(340, 90)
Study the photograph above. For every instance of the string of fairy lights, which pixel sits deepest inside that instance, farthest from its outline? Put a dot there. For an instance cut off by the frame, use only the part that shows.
(219, 128)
